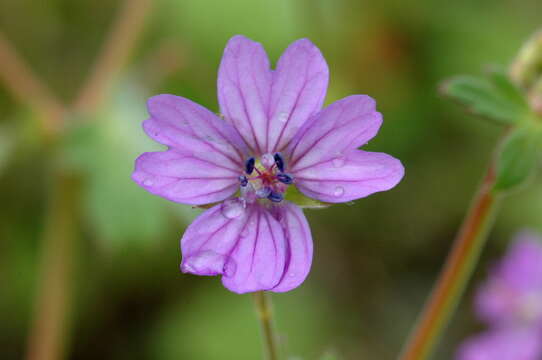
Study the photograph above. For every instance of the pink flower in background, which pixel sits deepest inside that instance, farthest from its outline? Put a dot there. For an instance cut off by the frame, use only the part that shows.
(502, 344)
(513, 293)
(510, 302)
(274, 136)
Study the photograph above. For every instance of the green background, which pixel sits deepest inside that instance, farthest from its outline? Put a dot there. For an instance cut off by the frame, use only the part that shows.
(374, 260)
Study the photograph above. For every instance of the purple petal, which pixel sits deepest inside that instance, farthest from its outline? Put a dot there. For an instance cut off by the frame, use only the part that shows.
(186, 126)
(522, 265)
(298, 91)
(244, 85)
(352, 176)
(339, 128)
(503, 344)
(298, 247)
(245, 245)
(185, 177)
(513, 292)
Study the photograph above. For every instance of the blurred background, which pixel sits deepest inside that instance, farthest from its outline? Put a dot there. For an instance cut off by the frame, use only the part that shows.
(77, 233)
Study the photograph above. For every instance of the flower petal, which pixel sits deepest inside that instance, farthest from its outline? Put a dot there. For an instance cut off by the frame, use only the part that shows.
(298, 91)
(522, 266)
(184, 177)
(298, 247)
(342, 126)
(352, 176)
(244, 85)
(245, 245)
(512, 292)
(503, 344)
(186, 126)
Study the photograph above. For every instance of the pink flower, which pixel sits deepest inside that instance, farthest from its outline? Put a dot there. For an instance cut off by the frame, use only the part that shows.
(510, 302)
(274, 136)
(513, 293)
(502, 344)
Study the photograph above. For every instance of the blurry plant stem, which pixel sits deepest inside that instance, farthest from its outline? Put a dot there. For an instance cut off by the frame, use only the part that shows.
(265, 315)
(53, 297)
(116, 49)
(47, 338)
(28, 89)
(455, 275)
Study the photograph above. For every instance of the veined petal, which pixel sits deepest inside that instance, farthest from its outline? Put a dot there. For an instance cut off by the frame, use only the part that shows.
(244, 85)
(186, 126)
(298, 91)
(348, 177)
(298, 247)
(245, 245)
(342, 126)
(503, 344)
(259, 254)
(184, 177)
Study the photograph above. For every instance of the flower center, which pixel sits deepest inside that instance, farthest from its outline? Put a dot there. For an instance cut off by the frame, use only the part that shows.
(265, 178)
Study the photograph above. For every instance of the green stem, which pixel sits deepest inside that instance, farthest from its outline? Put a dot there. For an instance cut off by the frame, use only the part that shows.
(455, 274)
(265, 315)
(54, 292)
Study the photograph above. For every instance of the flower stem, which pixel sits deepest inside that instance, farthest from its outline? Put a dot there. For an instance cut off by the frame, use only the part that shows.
(456, 272)
(265, 315)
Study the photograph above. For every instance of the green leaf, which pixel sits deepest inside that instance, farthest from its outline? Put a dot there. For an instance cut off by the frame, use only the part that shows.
(493, 96)
(297, 197)
(517, 158)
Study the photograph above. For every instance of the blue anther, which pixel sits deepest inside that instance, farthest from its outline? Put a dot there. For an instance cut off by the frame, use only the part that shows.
(285, 178)
(249, 165)
(279, 161)
(275, 197)
(243, 180)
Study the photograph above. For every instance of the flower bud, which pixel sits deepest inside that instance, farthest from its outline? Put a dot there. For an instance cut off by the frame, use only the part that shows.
(526, 71)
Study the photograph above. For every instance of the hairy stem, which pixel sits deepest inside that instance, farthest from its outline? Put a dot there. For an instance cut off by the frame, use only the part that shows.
(456, 272)
(265, 315)
(53, 300)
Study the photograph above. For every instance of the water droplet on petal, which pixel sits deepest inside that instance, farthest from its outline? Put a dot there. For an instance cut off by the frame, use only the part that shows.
(187, 268)
(206, 262)
(339, 191)
(232, 208)
(229, 268)
(338, 161)
(292, 275)
(147, 182)
(283, 117)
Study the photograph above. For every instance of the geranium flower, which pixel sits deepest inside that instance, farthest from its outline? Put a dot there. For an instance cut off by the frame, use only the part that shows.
(513, 293)
(273, 140)
(502, 344)
(510, 302)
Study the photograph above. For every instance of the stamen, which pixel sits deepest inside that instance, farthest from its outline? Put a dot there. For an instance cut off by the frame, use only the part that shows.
(285, 178)
(279, 160)
(243, 180)
(249, 165)
(275, 197)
